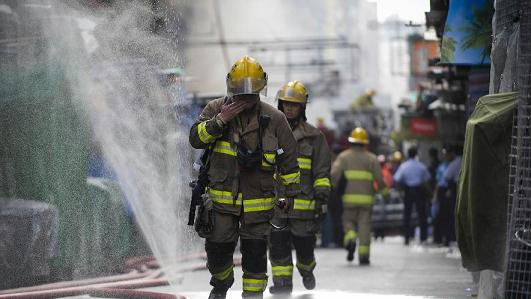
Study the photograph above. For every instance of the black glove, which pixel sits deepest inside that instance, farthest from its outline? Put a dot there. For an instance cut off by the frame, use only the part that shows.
(285, 204)
(321, 206)
(320, 210)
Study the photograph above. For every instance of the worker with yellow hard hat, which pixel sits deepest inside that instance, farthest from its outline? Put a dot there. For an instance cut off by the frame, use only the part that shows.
(364, 100)
(396, 159)
(304, 220)
(250, 146)
(357, 176)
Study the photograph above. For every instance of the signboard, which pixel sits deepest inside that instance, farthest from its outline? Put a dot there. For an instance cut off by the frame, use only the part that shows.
(467, 33)
(423, 127)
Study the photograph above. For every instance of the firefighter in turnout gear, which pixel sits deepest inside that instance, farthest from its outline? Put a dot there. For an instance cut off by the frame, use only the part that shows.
(251, 143)
(356, 176)
(303, 221)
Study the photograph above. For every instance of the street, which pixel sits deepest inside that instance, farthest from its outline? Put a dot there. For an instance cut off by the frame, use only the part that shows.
(396, 271)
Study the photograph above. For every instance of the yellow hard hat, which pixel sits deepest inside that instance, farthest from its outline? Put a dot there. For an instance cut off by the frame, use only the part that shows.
(397, 156)
(359, 135)
(293, 91)
(370, 92)
(246, 77)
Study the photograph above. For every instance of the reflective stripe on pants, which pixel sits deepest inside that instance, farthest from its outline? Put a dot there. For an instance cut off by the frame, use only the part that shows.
(282, 271)
(254, 285)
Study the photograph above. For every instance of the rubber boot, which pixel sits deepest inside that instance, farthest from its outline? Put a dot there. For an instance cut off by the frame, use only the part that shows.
(364, 260)
(217, 293)
(281, 286)
(351, 248)
(220, 288)
(308, 280)
(252, 295)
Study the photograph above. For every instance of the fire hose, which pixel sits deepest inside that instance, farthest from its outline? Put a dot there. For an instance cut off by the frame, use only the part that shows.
(116, 286)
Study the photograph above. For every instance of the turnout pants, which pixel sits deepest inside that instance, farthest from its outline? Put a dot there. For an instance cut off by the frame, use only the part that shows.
(220, 247)
(357, 224)
(299, 234)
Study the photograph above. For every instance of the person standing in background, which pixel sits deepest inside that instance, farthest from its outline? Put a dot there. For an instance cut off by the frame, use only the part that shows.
(451, 176)
(440, 221)
(413, 177)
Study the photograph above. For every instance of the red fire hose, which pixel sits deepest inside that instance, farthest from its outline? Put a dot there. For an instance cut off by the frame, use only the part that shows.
(131, 294)
(117, 286)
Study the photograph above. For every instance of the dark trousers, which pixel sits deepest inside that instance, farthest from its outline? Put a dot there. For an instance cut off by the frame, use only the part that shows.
(440, 223)
(445, 221)
(280, 255)
(417, 196)
(450, 219)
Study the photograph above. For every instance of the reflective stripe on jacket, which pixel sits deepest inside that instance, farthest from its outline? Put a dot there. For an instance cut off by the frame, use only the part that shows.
(360, 169)
(314, 162)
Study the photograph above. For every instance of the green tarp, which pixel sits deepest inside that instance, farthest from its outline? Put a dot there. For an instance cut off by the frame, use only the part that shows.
(44, 150)
(483, 187)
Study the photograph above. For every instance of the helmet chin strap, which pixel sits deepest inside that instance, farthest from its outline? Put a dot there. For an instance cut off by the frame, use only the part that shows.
(293, 122)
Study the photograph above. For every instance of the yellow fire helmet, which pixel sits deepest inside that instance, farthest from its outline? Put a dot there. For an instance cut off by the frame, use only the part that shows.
(359, 136)
(246, 77)
(397, 156)
(293, 91)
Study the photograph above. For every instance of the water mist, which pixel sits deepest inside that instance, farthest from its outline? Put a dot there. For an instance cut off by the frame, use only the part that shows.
(113, 62)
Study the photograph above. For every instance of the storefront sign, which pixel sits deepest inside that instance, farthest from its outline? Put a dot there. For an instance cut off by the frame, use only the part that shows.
(423, 127)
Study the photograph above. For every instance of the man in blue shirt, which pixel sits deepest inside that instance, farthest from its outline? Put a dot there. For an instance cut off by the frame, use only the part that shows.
(413, 176)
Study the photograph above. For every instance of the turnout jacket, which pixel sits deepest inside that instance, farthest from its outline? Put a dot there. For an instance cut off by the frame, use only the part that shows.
(360, 173)
(250, 192)
(314, 162)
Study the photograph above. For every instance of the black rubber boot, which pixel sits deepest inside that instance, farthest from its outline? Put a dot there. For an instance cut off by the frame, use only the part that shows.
(351, 248)
(364, 261)
(218, 293)
(281, 286)
(220, 288)
(308, 280)
(252, 295)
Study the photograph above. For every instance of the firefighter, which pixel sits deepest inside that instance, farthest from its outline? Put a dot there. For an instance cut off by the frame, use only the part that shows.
(303, 221)
(251, 143)
(356, 175)
(364, 100)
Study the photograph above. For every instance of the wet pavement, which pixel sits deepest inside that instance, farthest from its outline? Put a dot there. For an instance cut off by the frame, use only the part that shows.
(396, 271)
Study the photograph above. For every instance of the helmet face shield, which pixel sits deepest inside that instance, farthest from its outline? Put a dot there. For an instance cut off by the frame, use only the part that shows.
(246, 77)
(246, 85)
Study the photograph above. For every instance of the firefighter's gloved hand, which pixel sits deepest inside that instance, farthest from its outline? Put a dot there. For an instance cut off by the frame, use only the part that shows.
(285, 204)
(319, 214)
(321, 208)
